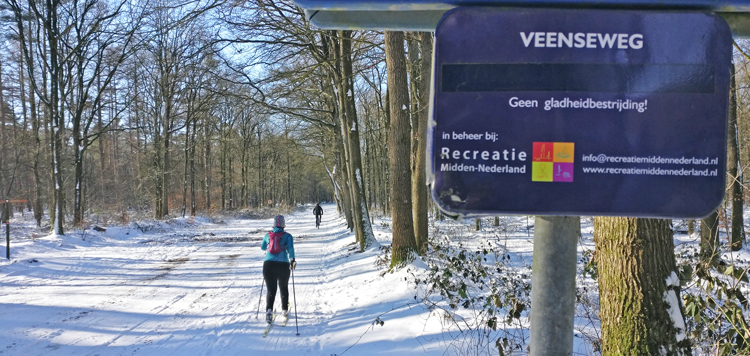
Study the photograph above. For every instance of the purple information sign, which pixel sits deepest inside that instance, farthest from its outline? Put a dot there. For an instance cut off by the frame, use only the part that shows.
(580, 112)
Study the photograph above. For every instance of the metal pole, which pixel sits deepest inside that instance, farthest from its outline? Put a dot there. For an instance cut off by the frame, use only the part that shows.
(553, 285)
(295, 302)
(7, 227)
(260, 297)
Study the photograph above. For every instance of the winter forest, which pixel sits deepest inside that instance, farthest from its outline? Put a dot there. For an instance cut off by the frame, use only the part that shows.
(117, 111)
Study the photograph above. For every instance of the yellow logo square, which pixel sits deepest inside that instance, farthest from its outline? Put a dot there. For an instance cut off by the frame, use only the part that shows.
(541, 171)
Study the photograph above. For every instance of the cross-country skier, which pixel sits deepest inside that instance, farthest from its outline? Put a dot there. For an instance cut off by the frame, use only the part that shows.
(277, 266)
(318, 211)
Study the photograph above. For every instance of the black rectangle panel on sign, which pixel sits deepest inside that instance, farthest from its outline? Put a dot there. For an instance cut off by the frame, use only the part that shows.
(578, 77)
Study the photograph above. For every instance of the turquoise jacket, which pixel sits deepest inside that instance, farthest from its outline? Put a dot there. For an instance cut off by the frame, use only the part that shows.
(284, 255)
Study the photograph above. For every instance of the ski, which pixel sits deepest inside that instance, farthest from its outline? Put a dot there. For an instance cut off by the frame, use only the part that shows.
(268, 328)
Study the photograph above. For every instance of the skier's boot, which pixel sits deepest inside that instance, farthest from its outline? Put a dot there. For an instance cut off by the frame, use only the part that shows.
(269, 316)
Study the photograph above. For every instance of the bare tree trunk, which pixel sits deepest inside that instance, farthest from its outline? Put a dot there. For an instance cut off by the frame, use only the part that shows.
(78, 190)
(247, 145)
(102, 138)
(243, 173)
(733, 173)
(157, 167)
(419, 180)
(166, 171)
(369, 169)
(47, 128)
(79, 143)
(350, 129)
(114, 153)
(3, 148)
(339, 81)
(207, 162)
(36, 128)
(709, 253)
(387, 186)
(223, 165)
(341, 176)
(639, 288)
(290, 199)
(57, 122)
(192, 151)
(45, 97)
(231, 181)
(186, 170)
(260, 172)
(399, 147)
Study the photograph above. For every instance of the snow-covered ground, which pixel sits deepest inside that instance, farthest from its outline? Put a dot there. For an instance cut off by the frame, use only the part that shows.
(193, 287)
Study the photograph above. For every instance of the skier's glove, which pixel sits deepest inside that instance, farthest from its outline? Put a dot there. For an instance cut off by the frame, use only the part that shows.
(292, 264)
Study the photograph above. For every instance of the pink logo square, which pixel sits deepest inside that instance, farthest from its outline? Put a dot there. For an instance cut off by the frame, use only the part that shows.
(562, 172)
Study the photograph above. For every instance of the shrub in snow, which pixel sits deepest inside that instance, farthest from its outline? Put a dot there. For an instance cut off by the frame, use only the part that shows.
(716, 306)
(478, 291)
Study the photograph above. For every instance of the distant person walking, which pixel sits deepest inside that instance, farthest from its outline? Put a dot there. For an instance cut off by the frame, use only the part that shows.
(279, 262)
(318, 211)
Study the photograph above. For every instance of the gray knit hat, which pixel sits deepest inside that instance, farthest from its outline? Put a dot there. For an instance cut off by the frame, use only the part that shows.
(278, 221)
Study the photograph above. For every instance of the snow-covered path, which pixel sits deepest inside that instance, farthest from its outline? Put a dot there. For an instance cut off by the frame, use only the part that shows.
(194, 289)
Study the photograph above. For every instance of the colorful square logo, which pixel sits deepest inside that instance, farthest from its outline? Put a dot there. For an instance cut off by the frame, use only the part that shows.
(552, 162)
(543, 151)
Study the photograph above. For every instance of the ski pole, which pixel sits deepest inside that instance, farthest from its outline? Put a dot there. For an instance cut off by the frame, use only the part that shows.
(260, 297)
(296, 323)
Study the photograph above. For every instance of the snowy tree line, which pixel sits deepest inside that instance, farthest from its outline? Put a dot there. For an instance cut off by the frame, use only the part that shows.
(158, 108)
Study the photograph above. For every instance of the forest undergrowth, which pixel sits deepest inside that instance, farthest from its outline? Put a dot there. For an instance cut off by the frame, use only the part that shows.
(479, 283)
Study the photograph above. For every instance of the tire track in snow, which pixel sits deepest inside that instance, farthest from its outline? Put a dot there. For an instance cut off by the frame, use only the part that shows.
(76, 324)
(204, 302)
(97, 315)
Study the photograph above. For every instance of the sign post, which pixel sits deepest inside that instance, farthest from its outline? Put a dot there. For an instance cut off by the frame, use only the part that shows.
(553, 285)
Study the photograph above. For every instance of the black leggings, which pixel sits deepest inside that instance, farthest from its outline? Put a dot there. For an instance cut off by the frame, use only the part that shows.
(276, 272)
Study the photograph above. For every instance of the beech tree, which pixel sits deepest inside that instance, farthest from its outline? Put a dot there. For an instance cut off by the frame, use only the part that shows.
(399, 146)
(420, 104)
